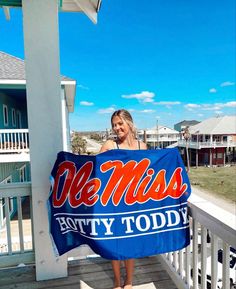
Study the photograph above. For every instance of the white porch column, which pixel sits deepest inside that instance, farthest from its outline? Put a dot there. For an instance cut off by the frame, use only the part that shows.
(40, 19)
(197, 158)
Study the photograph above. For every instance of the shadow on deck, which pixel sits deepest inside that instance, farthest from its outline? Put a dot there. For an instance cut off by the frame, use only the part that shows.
(92, 273)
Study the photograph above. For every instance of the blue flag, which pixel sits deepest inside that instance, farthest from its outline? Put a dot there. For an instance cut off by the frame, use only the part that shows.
(122, 203)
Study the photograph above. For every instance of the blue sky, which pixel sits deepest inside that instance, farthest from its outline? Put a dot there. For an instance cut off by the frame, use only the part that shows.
(166, 61)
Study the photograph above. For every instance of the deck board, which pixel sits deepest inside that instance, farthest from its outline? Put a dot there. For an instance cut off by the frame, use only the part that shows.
(92, 273)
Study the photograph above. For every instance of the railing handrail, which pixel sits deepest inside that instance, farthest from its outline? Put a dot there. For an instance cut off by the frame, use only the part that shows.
(17, 242)
(207, 142)
(14, 140)
(20, 189)
(206, 213)
(213, 230)
(13, 130)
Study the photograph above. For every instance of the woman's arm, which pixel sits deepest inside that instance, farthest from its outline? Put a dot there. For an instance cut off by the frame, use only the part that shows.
(143, 146)
(108, 145)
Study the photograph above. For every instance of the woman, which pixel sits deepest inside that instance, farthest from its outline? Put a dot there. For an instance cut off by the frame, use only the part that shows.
(123, 126)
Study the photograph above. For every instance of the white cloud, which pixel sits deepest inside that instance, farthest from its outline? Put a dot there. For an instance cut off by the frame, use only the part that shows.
(167, 103)
(210, 106)
(147, 111)
(148, 100)
(81, 86)
(230, 104)
(144, 96)
(219, 112)
(227, 83)
(200, 114)
(86, 103)
(106, 110)
(191, 106)
(212, 90)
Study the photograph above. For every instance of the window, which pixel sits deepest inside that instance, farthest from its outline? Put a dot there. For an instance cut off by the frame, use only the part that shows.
(18, 119)
(5, 115)
(13, 116)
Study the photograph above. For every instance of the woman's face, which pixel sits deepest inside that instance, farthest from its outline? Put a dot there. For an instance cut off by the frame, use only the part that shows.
(120, 127)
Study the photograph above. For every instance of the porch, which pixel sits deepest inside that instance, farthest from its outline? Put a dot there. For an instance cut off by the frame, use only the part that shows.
(89, 273)
(206, 144)
(212, 228)
(14, 145)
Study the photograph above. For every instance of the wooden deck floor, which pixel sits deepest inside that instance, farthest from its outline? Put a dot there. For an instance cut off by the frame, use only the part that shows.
(95, 273)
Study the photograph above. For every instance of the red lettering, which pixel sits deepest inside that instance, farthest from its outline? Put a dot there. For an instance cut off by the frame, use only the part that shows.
(127, 181)
(83, 191)
(124, 178)
(76, 187)
(176, 188)
(69, 169)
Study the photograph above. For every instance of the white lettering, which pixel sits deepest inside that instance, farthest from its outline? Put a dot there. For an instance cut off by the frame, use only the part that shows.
(108, 225)
(154, 220)
(147, 223)
(128, 224)
(172, 221)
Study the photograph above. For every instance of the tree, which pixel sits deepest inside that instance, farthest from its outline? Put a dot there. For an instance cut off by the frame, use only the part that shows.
(78, 144)
(96, 136)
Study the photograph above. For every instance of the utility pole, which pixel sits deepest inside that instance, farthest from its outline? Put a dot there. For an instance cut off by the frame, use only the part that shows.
(187, 137)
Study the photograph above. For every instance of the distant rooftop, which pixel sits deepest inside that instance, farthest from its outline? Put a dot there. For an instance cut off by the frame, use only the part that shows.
(187, 122)
(13, 68)
(215, 125)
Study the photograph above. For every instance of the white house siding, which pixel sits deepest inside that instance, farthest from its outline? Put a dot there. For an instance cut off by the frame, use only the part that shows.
(12, 169)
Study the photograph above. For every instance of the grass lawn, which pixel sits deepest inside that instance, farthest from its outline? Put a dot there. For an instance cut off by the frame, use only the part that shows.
(220, 181)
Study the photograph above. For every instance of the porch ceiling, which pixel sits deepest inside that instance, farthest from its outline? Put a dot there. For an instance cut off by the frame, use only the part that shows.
(19, 94)
(89, 7)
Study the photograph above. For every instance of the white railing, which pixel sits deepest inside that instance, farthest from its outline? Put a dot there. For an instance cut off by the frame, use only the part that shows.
(16, 226)
(14, 140)
(206, 262)
(166, 138)
(208, 144)
(212, 229)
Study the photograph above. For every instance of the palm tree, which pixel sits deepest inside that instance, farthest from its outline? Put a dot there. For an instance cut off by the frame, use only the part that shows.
(78, 144)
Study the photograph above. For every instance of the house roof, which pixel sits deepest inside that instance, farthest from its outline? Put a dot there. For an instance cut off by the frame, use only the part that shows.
(215, 125)
(187, 122)
(13, 68)
(161, 130)
(12, 71)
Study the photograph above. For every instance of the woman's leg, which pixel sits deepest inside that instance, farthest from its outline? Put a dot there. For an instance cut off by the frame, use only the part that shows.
(129, 266)
(116, 271)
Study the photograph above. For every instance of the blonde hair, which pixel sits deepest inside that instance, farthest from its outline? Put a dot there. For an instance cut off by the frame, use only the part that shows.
(125, 116)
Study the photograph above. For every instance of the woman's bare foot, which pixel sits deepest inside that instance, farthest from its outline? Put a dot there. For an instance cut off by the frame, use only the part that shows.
(128, 286)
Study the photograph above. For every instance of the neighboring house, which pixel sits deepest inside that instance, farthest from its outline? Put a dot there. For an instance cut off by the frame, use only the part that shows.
(181, 126)
(211, 142)
(159, 137)
(14, 132)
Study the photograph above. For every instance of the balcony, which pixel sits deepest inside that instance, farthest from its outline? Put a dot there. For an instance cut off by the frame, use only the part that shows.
(207, 144)
(213, 230)
(14, 145)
